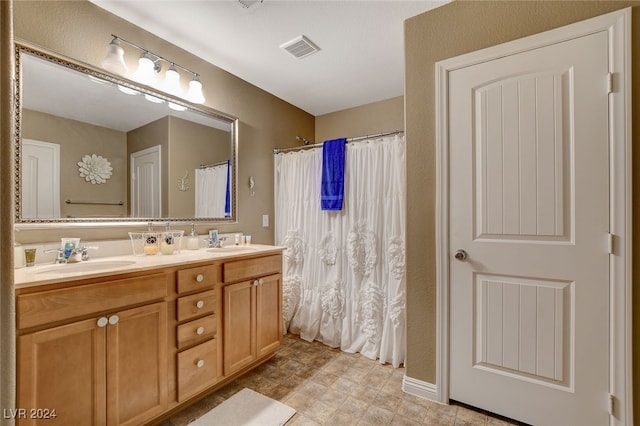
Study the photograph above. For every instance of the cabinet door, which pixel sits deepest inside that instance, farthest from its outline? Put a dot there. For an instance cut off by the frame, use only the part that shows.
(239, 326)
(63, 369)
(268, 314)
(137, 368)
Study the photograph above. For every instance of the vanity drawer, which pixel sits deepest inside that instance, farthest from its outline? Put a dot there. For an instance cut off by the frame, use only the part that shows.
(51, 306)
(197, 368)
(198, 278)
(196, 331)
(238, 270)
(196, 304)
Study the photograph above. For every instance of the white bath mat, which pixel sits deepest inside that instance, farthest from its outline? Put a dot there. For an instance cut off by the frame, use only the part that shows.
(247, 408)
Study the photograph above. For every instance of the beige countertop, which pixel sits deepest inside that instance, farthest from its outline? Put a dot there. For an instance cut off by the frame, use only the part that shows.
(105, 266)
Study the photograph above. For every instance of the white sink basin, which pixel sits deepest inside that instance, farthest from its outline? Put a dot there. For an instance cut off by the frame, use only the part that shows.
(85, 267)
(230, 249)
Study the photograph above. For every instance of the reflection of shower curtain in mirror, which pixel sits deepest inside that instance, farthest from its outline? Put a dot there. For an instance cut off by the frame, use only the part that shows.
(213, 196)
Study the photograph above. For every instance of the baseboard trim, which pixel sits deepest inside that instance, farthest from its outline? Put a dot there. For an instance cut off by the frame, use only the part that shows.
(420, 388)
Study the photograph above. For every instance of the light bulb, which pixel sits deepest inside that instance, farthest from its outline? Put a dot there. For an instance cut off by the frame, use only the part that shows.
(195, 91)
(177, 107)
(172, 81)
(145, 73)
(114, 59)
(127, 90)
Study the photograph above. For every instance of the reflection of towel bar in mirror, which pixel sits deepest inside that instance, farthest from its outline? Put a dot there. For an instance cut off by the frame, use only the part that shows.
(206, 166)
(105, 203)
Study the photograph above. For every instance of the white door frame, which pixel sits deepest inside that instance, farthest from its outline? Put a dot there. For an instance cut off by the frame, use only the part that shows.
(618, 26)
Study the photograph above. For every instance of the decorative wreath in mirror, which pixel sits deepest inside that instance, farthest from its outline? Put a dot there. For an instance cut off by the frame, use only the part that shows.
(95, 169)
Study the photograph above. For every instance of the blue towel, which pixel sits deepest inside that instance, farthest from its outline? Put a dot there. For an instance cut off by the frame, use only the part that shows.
(227, 198)
(332, 190)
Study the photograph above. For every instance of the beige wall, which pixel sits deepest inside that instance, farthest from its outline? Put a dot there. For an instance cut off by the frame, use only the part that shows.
(81, 30)
(7, 296)
(377, 117)
(451, 30)
(206, 145)
(77, 139)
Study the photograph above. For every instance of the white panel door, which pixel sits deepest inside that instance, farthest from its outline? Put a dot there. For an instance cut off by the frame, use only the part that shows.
(146, 183)
(529, 205)
(40, 179)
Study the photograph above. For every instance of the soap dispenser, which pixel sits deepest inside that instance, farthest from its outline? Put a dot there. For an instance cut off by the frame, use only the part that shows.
(18, 256)
(192, 239)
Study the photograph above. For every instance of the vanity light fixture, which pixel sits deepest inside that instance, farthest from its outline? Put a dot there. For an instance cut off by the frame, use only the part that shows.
(114, 60)
(149, 65)
(146, 72)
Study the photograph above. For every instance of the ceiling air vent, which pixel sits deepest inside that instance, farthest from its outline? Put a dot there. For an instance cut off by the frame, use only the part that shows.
(300, 47)
(248, 4)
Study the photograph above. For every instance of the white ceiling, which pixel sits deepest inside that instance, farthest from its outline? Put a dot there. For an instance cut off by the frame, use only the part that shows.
(361, 58)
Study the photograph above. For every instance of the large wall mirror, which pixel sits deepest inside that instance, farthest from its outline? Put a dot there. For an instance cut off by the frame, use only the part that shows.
(93, 147)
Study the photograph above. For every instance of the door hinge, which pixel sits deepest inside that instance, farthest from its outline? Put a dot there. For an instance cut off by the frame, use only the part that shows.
(611, 243)
(612, 404)
(610, 82)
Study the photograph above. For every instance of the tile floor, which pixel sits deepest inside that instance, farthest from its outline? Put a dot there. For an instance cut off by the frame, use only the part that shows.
(329, 387)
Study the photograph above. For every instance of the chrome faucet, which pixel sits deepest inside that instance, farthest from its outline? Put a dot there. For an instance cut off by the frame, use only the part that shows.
(82, 251)
(217, 243)
(59, 257)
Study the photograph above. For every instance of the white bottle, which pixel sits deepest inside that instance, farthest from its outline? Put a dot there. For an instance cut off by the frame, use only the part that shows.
(18, 256)
(192, 239)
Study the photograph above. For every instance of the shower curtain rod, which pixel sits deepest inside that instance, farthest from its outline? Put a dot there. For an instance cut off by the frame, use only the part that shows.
(356, 139)
(206, 166)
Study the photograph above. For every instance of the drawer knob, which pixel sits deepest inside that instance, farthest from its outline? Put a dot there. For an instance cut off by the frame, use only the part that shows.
(113, 319)
(200, 304)
(102, 322)
(200, 363)
(200, 278)
(200, 331)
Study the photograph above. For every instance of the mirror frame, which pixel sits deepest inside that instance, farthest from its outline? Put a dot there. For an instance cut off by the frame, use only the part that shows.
(22, 47)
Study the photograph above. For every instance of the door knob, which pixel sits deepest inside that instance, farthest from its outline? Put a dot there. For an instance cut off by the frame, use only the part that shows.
(460, 255)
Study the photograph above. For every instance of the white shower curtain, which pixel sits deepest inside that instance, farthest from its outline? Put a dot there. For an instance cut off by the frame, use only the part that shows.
(212, 191)
(344, 271)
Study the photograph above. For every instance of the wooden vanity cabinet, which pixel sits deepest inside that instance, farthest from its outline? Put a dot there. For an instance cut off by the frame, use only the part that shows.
(252, 311)
(108, 369)
(199, 352)
(133, 349)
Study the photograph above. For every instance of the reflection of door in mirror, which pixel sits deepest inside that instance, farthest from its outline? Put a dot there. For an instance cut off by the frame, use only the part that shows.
(146, 183)
(40, 184)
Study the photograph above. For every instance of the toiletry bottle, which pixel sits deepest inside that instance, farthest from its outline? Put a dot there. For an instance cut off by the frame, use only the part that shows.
(166, 244)
(18, 256)
(150, 242)
(192, 240)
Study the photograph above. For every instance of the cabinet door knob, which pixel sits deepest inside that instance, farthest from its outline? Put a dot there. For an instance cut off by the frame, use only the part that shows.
(260, 281)
(113, 319)
(102, 322)
(200, 278)
(200, 304)
(200, 331)
(255, 283)
(200, 363)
